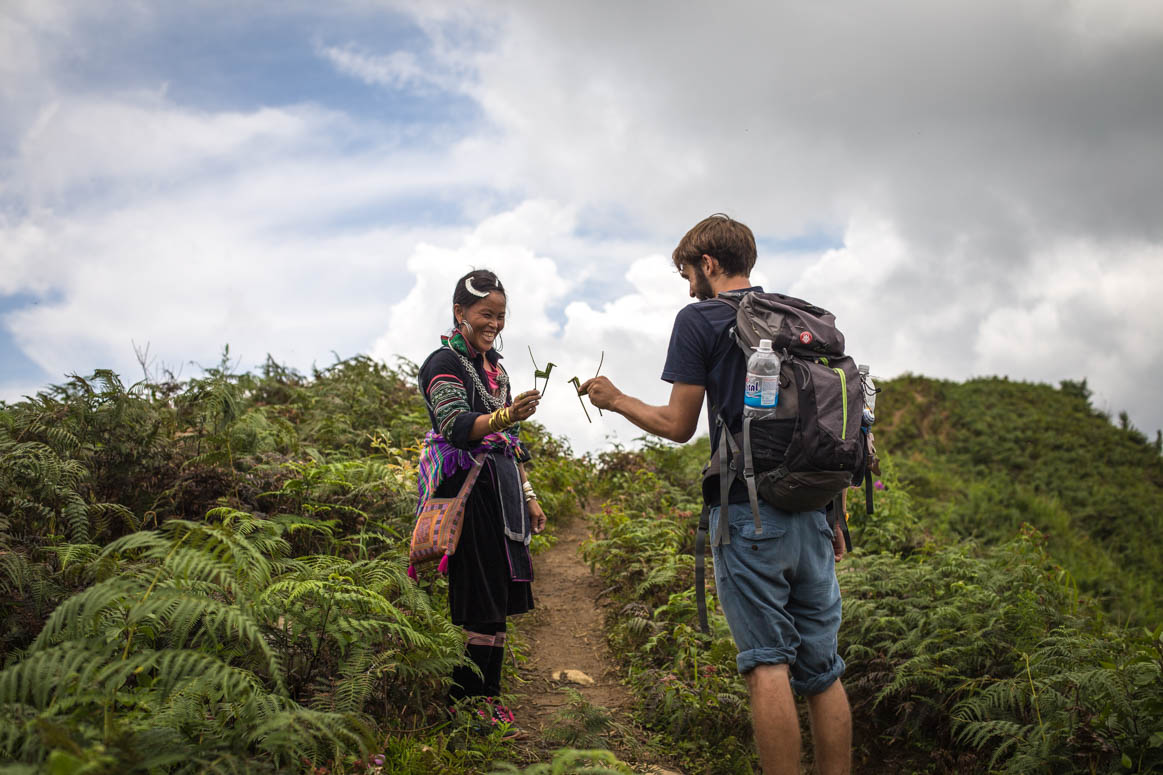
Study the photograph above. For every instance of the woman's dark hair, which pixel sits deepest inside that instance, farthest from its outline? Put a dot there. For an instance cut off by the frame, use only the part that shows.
(483, 281)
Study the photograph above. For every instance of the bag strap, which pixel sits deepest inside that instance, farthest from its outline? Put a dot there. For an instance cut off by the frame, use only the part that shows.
(722, 536)
(478, 463)
(840, 520)
(726, 477)
(701, 568)
(749, 474)
(727, 450)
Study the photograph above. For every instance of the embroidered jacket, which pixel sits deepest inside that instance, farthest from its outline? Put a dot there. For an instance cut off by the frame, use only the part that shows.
(454, 402)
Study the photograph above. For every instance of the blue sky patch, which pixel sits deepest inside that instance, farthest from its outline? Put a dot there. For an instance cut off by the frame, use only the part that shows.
(814, 241)
(242, 58)
(15, 366)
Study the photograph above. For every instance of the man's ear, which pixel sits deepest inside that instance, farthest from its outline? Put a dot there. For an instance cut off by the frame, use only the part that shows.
(710, 265)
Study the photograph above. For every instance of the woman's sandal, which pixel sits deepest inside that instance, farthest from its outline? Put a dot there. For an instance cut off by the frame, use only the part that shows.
(502, 715)
(488, 721)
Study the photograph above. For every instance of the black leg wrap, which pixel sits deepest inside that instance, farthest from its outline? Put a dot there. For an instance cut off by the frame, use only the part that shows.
(466, 683)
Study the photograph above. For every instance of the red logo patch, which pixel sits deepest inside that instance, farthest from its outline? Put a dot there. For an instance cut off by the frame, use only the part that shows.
(806, 337)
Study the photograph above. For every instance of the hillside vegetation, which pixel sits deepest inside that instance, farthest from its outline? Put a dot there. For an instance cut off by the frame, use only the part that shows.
(969, 651)
(981, 458)
(209, 576)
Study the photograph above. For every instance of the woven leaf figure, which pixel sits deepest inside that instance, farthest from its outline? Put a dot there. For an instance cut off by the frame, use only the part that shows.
(539, 373)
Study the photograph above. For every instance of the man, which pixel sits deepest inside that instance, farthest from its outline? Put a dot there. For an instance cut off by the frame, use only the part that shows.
(777, 589)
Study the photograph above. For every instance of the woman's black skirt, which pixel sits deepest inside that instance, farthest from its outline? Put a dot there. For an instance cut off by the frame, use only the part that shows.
(489, 576)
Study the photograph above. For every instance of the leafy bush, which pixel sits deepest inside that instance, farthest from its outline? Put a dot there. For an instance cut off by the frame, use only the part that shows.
(962, 656)
(167, 661)
(209, 576)
(686, 683)
(1086, 702)
(570, 762)
(983, 457)
(248, 610)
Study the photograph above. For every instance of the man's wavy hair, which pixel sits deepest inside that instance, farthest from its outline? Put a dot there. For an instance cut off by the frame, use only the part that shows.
(720, 237)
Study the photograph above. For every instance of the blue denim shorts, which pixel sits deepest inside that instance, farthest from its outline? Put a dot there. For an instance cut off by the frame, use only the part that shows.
(780, 594)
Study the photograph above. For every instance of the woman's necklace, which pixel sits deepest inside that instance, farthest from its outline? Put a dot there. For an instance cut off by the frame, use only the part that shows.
(502, 382)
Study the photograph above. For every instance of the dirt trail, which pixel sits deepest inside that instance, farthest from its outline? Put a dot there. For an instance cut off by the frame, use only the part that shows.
(565, 632)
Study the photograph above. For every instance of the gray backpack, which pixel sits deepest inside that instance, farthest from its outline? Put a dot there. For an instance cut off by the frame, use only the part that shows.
(814, 447)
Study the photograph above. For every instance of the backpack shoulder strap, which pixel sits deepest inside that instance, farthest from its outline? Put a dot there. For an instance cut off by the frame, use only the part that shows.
(730, 298)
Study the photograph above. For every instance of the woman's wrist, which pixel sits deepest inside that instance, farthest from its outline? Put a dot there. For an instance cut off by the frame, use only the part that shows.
(527, 490)
(500, 419)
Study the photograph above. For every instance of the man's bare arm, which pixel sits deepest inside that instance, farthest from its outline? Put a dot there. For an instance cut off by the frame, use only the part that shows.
(677, 420)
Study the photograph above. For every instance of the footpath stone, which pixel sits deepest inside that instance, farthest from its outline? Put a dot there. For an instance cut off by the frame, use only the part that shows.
(573, 677)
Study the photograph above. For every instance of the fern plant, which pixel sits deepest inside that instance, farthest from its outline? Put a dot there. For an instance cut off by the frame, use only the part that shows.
(686, 682)
(278, 633)
(570, 762)
(166, 663)
(579, 724)
(359, 636)
(1084, 703)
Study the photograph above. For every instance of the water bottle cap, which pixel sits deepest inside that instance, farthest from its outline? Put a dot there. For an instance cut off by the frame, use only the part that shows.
(764, 346)
(862, 368)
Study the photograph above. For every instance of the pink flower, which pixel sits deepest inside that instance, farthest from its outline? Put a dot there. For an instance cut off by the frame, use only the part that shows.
(878, 484)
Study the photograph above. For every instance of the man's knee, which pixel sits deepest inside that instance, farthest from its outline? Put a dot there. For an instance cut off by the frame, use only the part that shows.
(761, 677)
(829, 694)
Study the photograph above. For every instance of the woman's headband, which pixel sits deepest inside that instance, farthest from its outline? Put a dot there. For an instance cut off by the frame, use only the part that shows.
(468, 287)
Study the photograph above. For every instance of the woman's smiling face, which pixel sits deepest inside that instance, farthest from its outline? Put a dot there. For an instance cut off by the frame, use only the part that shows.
(487, 318)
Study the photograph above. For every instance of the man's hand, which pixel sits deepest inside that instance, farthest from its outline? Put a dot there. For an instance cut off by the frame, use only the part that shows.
(838, 540)
(536, 515)
(601, 391)
(675, 420)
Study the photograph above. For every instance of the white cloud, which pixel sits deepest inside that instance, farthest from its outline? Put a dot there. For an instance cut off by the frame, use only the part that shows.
(397, 70)
(149, 222)
(993, 166)
(955, 146)
(1084, 314)
(143, 139)
(189, 283)
(632, 329)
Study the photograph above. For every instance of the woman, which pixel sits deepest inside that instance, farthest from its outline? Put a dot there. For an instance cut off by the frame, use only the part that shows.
(472, 411)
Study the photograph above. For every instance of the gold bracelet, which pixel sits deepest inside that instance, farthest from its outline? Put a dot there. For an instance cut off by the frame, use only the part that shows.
(499, 420)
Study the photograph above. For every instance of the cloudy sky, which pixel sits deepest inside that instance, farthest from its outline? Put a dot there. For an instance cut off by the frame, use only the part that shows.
(974, 187)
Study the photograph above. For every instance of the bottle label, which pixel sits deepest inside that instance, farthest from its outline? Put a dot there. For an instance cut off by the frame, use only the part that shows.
(762, 392)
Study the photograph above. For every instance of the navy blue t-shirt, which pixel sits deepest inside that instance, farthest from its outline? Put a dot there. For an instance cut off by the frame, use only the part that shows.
(702, 352)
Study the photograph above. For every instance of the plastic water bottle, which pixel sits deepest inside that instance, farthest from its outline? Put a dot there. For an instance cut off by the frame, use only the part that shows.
(869, 388)
(761, 394)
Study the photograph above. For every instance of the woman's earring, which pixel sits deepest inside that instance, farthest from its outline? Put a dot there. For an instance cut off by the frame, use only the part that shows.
(466, 324)
(500, 345)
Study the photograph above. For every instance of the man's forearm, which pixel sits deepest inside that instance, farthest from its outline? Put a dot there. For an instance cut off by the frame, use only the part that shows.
(675, 420)
(652, 419)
